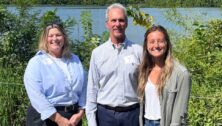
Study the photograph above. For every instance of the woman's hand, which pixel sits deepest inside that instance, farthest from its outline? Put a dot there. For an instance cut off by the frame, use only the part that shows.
(74, 120)
(60, 120)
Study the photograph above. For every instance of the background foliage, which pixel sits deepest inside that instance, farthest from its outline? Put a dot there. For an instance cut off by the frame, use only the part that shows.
(17, 35)
(144, 3)
(201, 53)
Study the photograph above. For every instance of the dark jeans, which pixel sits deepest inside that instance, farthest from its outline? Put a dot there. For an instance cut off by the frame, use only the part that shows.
(107, 117)
(152, 122)
(33, 118)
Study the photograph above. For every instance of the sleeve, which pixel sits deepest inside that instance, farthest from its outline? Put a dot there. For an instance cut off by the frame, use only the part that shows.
(179, 114)
(33, 85)
(138, 51)
(82, 99)
(92, 90)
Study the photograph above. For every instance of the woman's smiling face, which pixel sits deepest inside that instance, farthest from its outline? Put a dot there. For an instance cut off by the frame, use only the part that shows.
(55, 42)
(156, 44)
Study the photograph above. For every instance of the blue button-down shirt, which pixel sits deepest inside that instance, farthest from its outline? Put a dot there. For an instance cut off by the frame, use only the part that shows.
(112, 78)
(48, 86)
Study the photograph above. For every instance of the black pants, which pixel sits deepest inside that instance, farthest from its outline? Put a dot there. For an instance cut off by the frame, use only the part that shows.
(107, 117)
(33, 118)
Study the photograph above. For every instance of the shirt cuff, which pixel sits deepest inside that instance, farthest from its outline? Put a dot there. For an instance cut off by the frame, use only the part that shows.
(47, 113)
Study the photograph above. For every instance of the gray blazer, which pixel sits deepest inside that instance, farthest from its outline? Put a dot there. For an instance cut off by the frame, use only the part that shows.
(174, 99)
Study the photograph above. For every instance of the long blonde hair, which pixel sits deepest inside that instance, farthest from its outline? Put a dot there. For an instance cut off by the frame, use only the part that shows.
(148, 63)
(43, 39)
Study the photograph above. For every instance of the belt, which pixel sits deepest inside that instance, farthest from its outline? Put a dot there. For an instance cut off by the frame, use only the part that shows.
(121, 109)
(70, 108)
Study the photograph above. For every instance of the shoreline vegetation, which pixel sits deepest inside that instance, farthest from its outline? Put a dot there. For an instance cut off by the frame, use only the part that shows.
(104, 3)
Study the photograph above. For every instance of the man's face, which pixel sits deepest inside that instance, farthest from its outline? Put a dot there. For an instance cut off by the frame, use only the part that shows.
(116, 23)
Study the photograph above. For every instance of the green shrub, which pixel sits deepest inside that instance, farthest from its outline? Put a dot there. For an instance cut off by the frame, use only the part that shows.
(205, 108)
(202, 54)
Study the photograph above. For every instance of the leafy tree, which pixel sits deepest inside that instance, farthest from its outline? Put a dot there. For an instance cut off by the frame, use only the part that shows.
(17, 35)
(202, 54)
(84, 48)
(139, 17)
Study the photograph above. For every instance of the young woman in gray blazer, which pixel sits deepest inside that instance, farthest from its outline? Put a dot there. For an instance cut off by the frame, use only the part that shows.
(164, 84)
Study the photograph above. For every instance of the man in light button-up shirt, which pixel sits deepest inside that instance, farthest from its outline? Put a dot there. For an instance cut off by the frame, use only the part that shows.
(112, 81)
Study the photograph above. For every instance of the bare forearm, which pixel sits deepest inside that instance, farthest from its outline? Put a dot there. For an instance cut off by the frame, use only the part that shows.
(59, 119)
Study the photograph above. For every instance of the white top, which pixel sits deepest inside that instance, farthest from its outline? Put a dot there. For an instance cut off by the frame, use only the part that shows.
(61, 62)
(152, 102)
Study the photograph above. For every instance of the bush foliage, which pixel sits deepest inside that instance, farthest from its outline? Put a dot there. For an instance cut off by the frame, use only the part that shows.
(202, 54)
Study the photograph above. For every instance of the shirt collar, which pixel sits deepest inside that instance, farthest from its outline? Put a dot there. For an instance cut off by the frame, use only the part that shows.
(120, 45)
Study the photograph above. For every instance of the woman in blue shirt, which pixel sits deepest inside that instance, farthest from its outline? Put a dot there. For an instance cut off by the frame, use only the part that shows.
(54, 81)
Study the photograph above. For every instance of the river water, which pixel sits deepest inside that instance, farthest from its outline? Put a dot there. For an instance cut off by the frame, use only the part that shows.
(134, 33)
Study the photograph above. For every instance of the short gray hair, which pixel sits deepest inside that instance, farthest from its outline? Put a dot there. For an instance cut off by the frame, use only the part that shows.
(116, 5)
